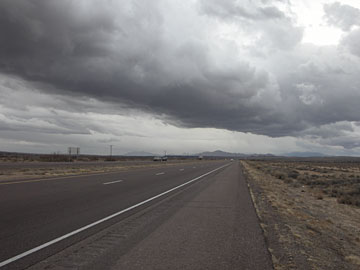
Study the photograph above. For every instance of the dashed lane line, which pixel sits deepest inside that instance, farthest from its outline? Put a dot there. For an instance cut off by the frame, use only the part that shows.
(56, 240)
(112, 182)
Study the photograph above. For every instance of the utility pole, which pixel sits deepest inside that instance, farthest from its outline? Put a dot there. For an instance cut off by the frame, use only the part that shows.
(111, 152)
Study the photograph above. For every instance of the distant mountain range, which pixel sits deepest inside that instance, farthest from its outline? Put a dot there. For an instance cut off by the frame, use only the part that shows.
(139, 154)
(219, 153)
(304, 154)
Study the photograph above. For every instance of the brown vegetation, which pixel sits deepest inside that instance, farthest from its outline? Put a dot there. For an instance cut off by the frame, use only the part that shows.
(309, 212)
(338, 180)
(22, 171)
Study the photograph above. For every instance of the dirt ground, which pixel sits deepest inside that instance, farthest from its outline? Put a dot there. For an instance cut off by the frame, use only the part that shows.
(306, 220)
(18, 172)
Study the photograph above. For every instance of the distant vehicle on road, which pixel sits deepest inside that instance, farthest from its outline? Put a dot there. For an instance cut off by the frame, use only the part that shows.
(200, 157)
(160, 158)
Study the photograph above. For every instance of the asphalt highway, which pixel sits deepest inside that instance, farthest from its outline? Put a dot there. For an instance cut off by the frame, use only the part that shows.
(35, 213)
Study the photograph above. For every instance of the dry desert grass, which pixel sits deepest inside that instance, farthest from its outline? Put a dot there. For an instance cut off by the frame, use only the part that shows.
(46, 171)
(309, 212)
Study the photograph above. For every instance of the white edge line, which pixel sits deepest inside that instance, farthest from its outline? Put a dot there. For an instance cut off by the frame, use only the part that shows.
(113, 182)
(160, 173)
(26, 253)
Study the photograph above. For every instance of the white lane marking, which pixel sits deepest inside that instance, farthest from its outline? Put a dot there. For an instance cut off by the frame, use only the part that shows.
(113, 182)
(181, 169)
(26, 253)
(160, 173)
(194, 167)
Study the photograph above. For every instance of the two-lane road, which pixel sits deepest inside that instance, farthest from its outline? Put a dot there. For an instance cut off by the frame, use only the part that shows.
(35, 212)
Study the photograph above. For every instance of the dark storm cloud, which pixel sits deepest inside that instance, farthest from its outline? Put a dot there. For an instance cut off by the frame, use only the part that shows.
(325, 86)
(24, 108)
(91, 49)
(140, 54)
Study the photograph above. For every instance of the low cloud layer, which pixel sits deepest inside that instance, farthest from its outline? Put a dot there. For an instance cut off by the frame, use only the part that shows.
(234, 65)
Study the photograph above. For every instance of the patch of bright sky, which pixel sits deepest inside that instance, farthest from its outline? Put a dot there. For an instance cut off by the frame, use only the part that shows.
(310, 14)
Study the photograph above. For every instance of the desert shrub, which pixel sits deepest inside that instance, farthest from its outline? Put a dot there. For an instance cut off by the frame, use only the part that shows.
(319, 182)
(325, 179)
(354, 191)
(333, 193)
(56, 158)
(280, 175)
(357, 201)
(346, 199)
(350, 199)
(288, 180)
(335, 181)
(296, 184)
(304, 180)
(293, 174)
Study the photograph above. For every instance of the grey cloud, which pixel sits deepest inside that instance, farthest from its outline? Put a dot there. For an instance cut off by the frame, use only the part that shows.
(342, 15)
(318, 87)
(128, 61)
(229, 10)
(352, 41)
(346, 141)
(133, 55)
(338, 129)
(336, 134)
(282, 36)
(277, 31)
(40, 126)
(23, 108)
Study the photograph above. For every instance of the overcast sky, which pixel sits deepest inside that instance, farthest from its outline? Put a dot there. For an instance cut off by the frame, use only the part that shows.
(250, 76)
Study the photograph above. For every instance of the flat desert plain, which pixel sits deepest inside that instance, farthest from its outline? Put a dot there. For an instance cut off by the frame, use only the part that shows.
(309, 212)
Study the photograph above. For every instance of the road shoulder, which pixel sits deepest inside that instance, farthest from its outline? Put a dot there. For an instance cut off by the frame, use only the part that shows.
(211, 224)
(217, 229)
